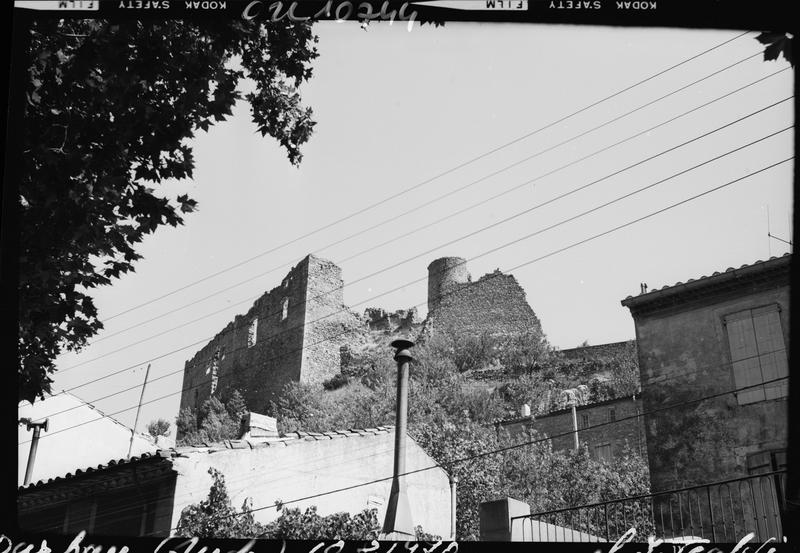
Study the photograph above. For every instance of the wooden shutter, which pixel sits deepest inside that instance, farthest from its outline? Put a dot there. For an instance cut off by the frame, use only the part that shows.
(744, 356)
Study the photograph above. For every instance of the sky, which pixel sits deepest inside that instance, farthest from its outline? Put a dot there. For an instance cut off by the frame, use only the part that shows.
(394, 109)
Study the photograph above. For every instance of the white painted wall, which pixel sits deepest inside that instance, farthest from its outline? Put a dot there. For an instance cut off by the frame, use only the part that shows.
(280, 472)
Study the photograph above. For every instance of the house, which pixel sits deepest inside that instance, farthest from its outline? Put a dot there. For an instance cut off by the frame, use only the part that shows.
(713, 359)
(617, 425)
(341, 471)
(89, 436)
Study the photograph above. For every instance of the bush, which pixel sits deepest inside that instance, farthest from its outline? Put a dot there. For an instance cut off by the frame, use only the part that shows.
(215, 420)
(158, 428)
(304, 525)
(215, 517)
(336, 381)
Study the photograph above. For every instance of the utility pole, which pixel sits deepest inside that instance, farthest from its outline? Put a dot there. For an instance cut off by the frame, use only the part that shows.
(37, 429)
(397, 525)
(138, 409)
(575, 425)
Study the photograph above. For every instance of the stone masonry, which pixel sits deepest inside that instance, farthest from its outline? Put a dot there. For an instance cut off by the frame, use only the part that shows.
(301, 330)
(495, 304)
(292, 333)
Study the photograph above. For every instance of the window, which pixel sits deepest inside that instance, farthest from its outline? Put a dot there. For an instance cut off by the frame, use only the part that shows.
(603, 452)
(612, 415)
(584, 421)
(758, 354)
(285, 309)
(213, 370)
(766, 461)
(252, 331)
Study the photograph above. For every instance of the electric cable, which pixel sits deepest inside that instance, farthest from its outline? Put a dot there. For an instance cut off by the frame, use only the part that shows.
(428, 225)
(492, 250)
(524, 264)
(439, 175)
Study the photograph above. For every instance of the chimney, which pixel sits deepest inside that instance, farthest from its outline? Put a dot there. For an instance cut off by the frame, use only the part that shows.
(258, 426)
(526, 410)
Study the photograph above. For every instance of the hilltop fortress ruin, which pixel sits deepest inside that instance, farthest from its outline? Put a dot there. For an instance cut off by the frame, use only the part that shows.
(301, 330)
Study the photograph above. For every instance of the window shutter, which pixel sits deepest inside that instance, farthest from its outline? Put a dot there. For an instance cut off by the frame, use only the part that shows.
(744, 357)
(769, 336)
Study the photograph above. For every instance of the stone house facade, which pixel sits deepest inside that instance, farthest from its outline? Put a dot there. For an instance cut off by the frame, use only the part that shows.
(720, 335)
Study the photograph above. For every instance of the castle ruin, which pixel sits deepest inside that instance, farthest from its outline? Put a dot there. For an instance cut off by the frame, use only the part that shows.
(301, 330)
(293, 333)
(493, 305)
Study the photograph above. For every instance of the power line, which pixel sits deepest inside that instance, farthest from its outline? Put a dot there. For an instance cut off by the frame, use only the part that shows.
(514, 446)
(511, 447)
(464, 187)
(524, 237)
(136, 386)
(442, 174)
(529, 262)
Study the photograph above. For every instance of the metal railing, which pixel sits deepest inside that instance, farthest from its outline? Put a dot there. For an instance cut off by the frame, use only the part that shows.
(721, 512)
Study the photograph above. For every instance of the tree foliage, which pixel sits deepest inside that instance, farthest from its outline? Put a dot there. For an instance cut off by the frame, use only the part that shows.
(216, 419)
(158, 428)
(215, 517)
(450, 416)
(110, 108)
(308, 524)
(776, 45)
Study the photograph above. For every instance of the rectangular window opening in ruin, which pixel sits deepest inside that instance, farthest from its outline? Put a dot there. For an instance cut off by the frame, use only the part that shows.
(285, 309)
(252, 332)
(612, 415)
(584, 421)
(758, 353)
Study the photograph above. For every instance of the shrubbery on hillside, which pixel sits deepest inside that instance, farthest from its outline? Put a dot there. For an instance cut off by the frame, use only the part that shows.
(450, 415)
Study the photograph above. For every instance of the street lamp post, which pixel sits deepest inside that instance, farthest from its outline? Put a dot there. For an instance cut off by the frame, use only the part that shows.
(398, 525)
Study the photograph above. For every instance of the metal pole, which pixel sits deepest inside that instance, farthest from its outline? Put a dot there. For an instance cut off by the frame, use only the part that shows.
(138, 409)
(453, 486)
(397, 525)
(575, 426)
(37, 429)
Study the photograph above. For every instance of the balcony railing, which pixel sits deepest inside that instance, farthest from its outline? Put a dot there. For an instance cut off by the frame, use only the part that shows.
(720, 512)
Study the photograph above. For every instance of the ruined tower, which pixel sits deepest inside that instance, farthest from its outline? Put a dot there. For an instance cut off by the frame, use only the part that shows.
(444, 276)
(495, 304)
(293, 333)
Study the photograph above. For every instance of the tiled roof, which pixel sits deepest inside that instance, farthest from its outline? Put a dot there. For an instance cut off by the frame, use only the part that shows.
(707, 280)
(288, 439)
(114, 463)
